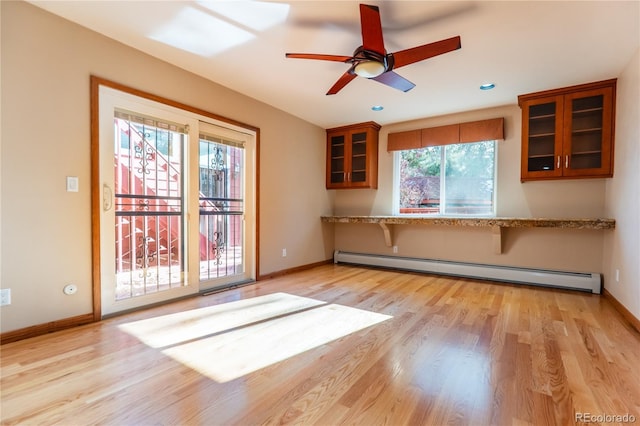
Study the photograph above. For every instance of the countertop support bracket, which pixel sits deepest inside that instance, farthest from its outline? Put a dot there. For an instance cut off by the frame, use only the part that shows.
(388, 239)
(496, 235)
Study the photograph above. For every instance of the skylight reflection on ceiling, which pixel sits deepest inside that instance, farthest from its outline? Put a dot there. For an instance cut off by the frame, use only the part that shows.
(213, 27)
(200, 33)
(256, 15)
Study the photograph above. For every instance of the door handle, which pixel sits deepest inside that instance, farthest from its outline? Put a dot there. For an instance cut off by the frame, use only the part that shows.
(107, 197)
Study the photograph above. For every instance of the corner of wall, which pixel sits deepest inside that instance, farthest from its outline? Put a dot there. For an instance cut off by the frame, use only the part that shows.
(622, 202)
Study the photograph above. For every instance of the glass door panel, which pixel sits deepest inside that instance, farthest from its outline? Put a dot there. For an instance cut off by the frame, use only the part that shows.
(542, 137)
(337, 153)
(586, 132)
(149, 206)
(222, 206)
(359, 157)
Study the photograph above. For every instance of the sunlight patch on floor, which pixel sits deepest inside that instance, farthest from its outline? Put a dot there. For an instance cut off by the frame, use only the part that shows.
(228, 341)
(172, 329)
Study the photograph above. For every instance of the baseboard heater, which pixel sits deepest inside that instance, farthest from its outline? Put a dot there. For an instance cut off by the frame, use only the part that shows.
(590, 282)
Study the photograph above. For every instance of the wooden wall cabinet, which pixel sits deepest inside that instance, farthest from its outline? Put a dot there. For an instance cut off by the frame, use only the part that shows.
(568, 133)
(352, 156)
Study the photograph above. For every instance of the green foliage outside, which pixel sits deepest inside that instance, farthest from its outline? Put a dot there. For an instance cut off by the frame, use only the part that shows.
(468, 170)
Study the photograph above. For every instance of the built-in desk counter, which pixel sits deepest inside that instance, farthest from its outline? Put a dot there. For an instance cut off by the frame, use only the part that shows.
(497, 224)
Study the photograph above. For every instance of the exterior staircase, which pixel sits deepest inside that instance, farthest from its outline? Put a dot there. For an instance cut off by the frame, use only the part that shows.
(148, 186)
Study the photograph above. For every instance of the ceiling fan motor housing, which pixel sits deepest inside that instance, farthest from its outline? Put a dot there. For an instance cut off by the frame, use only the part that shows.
(362, 56)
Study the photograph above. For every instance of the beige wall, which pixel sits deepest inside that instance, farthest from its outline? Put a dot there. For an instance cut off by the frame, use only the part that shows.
(568, 250)
(46, 231)
(622, 247)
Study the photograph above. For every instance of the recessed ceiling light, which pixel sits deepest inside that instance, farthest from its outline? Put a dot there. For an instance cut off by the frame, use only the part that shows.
(377, 107)
(487, 86)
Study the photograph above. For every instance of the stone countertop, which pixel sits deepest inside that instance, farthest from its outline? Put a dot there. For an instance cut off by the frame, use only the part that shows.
(502, 222)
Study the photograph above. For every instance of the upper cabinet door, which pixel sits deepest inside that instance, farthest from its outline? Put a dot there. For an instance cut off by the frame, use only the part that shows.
(336, 164)
(542, 138)
(576, 124)
(588, 133)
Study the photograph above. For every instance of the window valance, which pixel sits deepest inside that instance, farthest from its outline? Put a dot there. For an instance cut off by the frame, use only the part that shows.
(473, 131)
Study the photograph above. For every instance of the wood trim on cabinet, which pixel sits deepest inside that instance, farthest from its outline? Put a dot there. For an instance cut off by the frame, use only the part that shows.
(348, 127)
(566, 90)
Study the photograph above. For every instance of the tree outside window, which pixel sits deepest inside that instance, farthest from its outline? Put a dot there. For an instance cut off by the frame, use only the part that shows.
(456, 179)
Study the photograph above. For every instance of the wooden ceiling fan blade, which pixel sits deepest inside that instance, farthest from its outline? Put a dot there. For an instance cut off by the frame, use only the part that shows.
(319, 57)
(371, 29)
(342, 81)
(426, 51)
(394, 80)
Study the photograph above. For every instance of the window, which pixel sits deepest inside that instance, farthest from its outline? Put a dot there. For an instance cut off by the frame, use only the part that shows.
(455, 179)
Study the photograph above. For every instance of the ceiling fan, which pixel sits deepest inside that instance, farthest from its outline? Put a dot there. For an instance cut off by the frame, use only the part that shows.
(372, 61)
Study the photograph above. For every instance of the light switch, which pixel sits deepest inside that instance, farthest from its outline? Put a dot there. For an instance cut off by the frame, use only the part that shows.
(72, 183)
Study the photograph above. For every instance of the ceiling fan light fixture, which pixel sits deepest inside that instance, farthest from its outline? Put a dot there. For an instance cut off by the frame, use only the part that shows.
(369, 69)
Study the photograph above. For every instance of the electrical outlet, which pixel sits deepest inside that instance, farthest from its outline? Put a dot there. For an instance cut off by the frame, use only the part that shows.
(395, 249)
(284, 252)
(5, 296)
(70, 289)
(617, 275)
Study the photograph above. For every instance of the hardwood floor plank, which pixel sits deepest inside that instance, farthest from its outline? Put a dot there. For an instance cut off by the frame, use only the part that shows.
(451, 351)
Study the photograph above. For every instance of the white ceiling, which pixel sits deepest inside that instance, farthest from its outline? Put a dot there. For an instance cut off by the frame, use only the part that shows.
(521, 46)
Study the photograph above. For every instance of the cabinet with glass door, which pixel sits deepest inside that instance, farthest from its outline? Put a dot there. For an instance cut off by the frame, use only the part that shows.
(568, 133)
(352, 156)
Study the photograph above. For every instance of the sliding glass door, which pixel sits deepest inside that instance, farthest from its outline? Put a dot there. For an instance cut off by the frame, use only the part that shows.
(177, 203)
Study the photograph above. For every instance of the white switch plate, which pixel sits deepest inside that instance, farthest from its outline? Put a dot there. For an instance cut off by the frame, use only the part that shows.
(72, 183)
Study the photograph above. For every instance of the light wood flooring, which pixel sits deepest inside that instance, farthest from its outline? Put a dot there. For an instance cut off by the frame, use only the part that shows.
(336, 345)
